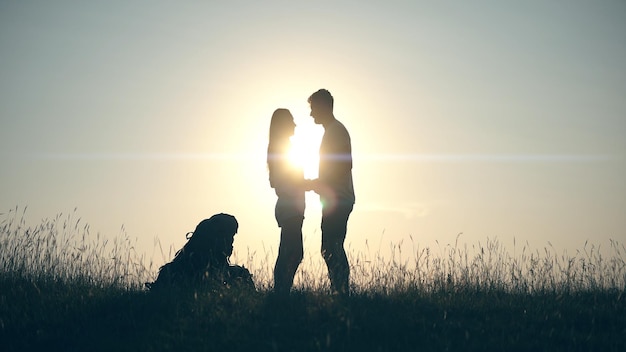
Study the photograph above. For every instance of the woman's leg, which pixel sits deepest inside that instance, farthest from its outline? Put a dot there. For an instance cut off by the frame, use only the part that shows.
(290, 255)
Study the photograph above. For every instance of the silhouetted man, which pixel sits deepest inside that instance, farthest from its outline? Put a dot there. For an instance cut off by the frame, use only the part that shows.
(334, 185)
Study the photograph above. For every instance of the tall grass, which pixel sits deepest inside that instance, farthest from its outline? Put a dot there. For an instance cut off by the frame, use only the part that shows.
(63, 249)
(481, 267)
(62, 288)
(489, 267)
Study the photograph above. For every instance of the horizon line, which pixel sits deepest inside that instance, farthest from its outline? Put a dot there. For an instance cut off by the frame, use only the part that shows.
(389, 157)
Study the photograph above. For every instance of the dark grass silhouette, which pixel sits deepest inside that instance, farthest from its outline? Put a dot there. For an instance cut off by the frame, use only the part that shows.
(59, 291)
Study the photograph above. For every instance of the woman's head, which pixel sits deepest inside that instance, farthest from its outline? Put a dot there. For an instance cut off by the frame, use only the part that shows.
(281, 126)
(213, 238)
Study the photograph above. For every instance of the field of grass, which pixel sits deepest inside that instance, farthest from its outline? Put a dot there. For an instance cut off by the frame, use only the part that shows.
(64, 289)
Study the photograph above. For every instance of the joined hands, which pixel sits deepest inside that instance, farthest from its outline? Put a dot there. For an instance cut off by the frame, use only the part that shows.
(311, 185)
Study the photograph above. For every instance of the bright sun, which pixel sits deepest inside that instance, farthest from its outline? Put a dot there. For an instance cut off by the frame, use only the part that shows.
(304, 151)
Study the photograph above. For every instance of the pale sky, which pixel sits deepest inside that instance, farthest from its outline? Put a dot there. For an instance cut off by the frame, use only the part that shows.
(495, 119)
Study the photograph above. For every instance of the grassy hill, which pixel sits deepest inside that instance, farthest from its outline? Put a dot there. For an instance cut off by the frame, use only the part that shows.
(62, 291)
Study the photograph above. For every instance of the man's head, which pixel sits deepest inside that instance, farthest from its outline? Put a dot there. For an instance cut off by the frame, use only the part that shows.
(321, 103)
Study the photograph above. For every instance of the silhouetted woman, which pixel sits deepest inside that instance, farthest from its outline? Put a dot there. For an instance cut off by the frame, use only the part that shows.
(288, 182)
(204, 260)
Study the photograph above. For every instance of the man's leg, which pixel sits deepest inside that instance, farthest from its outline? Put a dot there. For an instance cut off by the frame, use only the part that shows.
(334, 229)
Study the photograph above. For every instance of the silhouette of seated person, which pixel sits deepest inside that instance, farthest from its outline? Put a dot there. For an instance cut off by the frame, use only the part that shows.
(203, 263)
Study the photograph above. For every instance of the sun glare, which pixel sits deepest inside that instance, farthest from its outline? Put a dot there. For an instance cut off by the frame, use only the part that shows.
(304, 151)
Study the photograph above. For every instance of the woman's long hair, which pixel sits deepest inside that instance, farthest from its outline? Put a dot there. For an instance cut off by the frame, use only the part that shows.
(278, 146)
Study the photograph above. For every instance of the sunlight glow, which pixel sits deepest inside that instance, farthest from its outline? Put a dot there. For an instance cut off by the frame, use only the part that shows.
(304, 151)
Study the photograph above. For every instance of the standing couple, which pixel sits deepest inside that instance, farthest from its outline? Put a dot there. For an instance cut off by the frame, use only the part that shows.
(334, 186)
